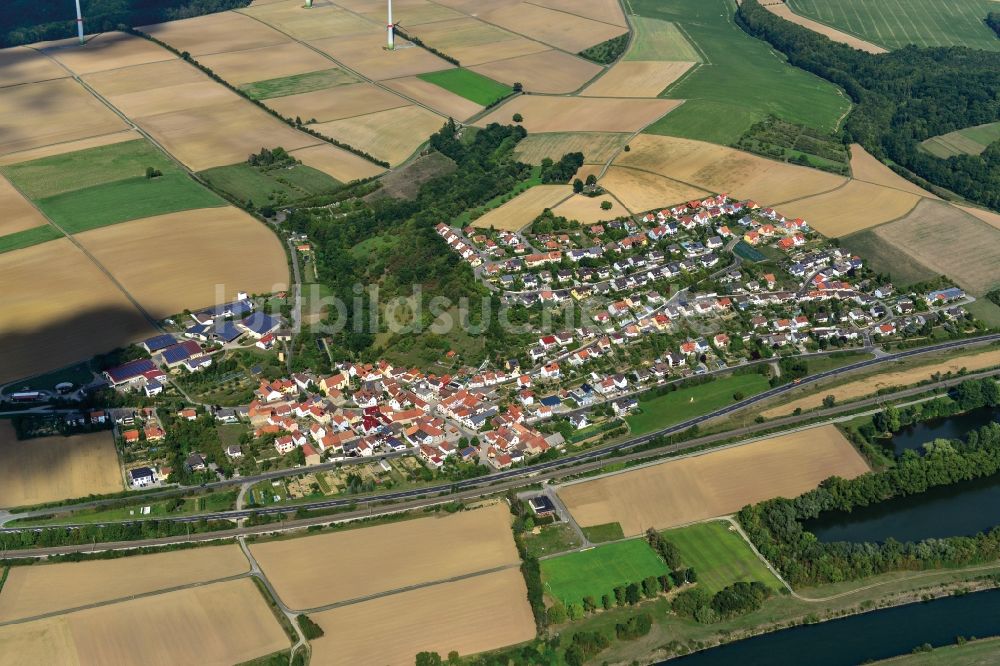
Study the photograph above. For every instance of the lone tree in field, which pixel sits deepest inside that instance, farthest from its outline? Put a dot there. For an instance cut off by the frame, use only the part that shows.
(518, 117)
(517, 87)
(605, 205)
(578, 186)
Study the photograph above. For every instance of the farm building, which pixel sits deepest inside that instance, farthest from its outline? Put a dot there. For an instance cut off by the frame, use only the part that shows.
(158, 342)
(260, 324)
(129, 373)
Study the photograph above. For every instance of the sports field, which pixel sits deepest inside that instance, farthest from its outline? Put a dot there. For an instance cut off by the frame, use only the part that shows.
(686, 403)
(745, 82)
(641, 190)
(318, 570)
(473, 615)
(523, 208)
(470, 85)
(48, 588)
(543, 72)
(713, 483)
(968, 141)
(596, 572)
(896, 23)
(719, 555)
(46, 469)
(221, 624)
(784, 11)
(580, 114)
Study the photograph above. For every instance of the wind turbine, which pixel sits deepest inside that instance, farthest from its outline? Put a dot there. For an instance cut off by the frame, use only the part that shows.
(389, 28)
(79, 22)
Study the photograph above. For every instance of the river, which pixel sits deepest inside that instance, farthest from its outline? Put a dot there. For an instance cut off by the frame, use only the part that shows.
(859, 638)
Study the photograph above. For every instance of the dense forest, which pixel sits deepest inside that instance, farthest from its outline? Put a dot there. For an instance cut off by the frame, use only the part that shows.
(993, 20)
(775, 526)
(27, 21)
(902, 98)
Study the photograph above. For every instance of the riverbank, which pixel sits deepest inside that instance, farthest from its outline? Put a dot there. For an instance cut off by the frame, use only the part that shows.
(979, 652)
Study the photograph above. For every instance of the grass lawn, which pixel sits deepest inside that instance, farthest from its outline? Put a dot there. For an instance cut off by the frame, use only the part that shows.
(273, 186)
(48, 176)
(551, 539)
(598, 571)
(28, 237)
(78, 374)
(604, 532)
(719, 555)
(298, 83)
(124, 200)
(686, 403)
(833, 361)
(741, 80)
(229, 434)
(980, 652)
(213, 501)
(475, 87)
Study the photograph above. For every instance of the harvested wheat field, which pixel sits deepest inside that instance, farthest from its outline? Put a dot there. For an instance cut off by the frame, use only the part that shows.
(354, 99)
(581, 114)
(266, 62)
(854, 207)
(69, 147)
(865, 167)
(316, 22)
(219, 624)
(20, 64)
(587, 210)
(106, 51)
(47, 469)
(472, 42)
(608, 11)
(337, 163)
(715, 483)
(51, 112)
(950, 242)
(785, 12)
(443, 101)
(391, 135)
(405, 12)
(190, 259)
(637, 78)
(59, 308)
(491, 612)
(364, 53)
(564, 31)
(721, 169)
(597, 147)
(543, 72)
(522, 209)
(215, 33)
(987, 216)
(641, 190)
(313, 571)
(48, 588)
(869, 385)
(18, 213)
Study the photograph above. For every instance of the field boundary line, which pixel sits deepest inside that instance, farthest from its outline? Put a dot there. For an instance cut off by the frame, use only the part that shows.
(792, 9)
(660, 175)
(563, 11)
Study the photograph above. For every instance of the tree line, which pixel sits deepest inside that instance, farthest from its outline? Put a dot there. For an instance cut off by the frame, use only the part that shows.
(136, 531)
(902, 98)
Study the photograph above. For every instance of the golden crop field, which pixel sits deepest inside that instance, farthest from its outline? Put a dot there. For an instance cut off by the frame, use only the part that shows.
(215, 33)
(950, 242)
(608, 11)
(597, 147)
(642, 191)
(106, 51)
(564, 31)
(319, 21)
(854, 207)
(860, 388)
(355, 99)
(405, 12)
(266, 62)
(443, 101)
(785, 12)
(865, 167)
(491, 611)
(713, 483)
(187, 259)
(581, 114)
(721, 169)
(214, 625)
(987, 216)
(473, 42)
(47, 588)
(522, 209)
(587, 210)
(59, 308)
(47, 469)
(637, 78)
(364, 53)
(337, 162)
(51, 112)
(314, 571)
(543, 72)
(391, 135)
(20, 64)
(18, 214)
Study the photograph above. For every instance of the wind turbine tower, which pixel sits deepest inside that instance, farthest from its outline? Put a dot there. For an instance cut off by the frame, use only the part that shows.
(389, 29)
(79, 21)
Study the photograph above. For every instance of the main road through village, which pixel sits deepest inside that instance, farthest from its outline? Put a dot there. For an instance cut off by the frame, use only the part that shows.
(500, 481)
